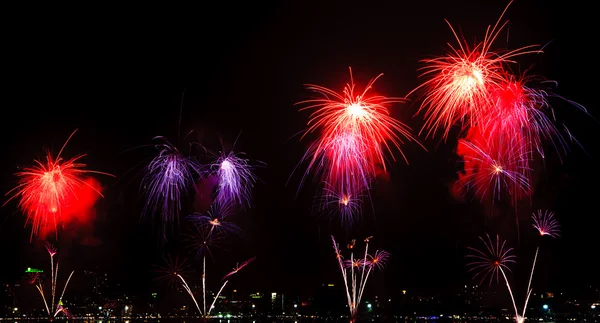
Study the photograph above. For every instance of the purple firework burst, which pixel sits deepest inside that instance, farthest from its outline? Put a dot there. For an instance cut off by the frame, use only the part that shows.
(546, 224)
(235, 179)
(216, 220)
(167, 179)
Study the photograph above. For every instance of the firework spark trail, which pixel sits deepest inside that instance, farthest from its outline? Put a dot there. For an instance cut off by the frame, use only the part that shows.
(168, 177)
(518, 318)
(457, 88)
(48, 191)
(189, 291)
(355, 131)
(52, 308)
(358, 277)
(340, 260)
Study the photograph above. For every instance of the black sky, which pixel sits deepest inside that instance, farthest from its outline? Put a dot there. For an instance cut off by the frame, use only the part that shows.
(118, 75)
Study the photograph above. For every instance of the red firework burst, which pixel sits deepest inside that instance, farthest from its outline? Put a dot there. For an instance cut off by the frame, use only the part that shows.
(457, 86)
(356, 130)
(521, 111)
(50, 192)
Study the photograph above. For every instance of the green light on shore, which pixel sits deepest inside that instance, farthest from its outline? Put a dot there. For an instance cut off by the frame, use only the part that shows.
(33, 270)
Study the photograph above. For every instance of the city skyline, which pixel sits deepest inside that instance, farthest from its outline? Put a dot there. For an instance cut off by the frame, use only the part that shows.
(467, 302)
(122, 84)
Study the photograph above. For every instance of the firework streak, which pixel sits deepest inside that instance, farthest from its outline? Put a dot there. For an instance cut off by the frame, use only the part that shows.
(355, 132)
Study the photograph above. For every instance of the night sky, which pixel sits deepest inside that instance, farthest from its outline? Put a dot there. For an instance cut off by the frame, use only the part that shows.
(120, 76)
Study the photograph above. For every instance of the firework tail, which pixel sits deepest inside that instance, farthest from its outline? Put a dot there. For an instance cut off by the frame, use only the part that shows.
(529, 289)
(358, 281)
(517, 316)
(343, 270)
(40, 288)
(53, 277)
(55, 306)
(216, 297)
(189, 291)
(59, 307)
(204, 282)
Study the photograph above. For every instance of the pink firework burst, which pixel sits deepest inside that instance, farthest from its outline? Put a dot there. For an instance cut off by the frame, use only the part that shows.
(379, 259)
(546, 224)
(239, 267)
(491, 260)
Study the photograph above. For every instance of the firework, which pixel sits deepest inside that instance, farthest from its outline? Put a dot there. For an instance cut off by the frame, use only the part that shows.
(494, 165)
(53, 305)
(457, 86)
(492, 260)
(216, 220)
(235, 177)
(545, 223)
(355, 132)
(168, 178)
(356, 270)
(235, 270)
(210, 231)
(204, 238)
(346, 206)
(495, 258)
(173, 268)
(50, 192)
(174, 273)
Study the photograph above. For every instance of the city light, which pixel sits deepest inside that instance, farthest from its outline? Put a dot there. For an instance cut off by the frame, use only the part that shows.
(545, 306)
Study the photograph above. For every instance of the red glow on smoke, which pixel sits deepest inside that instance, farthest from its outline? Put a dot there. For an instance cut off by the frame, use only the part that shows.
(78, 209)
(494, 165)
